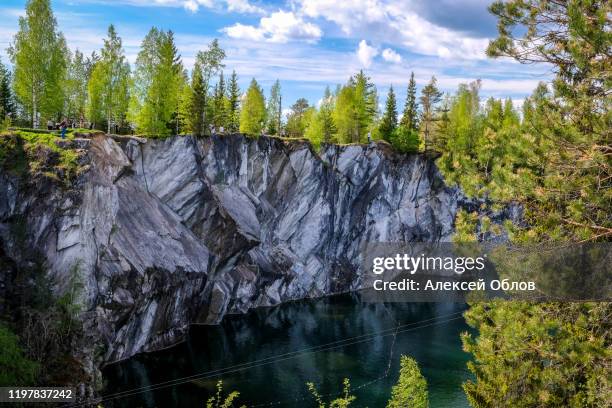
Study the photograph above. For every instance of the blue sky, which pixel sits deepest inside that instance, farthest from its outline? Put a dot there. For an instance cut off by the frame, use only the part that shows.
(308, 44)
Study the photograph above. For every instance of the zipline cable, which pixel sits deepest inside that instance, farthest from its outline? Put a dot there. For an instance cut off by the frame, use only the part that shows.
(270, 360)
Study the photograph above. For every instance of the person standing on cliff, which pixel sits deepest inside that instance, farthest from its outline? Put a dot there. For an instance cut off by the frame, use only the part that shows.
(63, 127)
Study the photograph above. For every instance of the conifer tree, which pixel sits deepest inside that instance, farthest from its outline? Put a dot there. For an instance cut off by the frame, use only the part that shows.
(219, 104)
(556, 165)
(274, 109)
(253, 111)
(410, 114)
(233, 103)
(411, 388)
(366, 105)
(297, 119)
(388, 123)
(430, 97)
(7, 104)
(208, 64)
(355, 109)
(321, 127)
(38, 53)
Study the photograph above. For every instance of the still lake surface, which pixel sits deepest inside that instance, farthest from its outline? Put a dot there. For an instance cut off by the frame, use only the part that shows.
(266, 335)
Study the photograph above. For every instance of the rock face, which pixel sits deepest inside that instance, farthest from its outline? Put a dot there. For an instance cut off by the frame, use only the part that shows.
(167, 233)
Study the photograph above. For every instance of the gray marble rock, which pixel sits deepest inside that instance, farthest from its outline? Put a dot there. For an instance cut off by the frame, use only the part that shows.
(168, 233)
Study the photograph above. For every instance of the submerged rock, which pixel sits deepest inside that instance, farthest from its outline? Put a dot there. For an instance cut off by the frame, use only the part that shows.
(168, 233)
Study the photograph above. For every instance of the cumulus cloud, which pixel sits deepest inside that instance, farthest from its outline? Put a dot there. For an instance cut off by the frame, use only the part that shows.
(401, 20)
(391, 56)
(349, 15)
(244, 32)
(279, 27)
(366, 53)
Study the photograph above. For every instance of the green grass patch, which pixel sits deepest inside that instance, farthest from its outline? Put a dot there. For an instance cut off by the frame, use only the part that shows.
(32, 152)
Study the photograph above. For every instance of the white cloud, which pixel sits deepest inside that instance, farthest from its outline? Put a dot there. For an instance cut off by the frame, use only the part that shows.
(243, 6)
(237, 6)
(191, 5)
(366, 53)
(279, 27)
(391, 56)
(244, 32)
(349, 15)
(399, 20)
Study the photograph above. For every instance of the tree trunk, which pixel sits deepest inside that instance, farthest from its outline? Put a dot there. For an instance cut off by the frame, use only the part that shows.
(108, 122)
(34, 108)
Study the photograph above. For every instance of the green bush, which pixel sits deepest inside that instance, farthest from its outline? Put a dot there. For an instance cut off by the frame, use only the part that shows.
(15, 368)
(405, 140)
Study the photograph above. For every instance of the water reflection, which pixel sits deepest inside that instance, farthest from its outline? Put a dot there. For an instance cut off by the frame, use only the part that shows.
(266, 335)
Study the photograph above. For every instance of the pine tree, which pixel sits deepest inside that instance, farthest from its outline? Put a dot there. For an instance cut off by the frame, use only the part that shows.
(328, 128)
(233, 110)
(556, 165)
(356, 109)
(430, 97)
(274, 109)
(410, 114)
(38, 54)
(320, 127)
(219, 104)
(366, 105)
(7, 105)
(297, 119)
(197, 101)
(253, 112)
(208, 64)
(411, 388)
(345, 114)
(389, 120)
(109, 83)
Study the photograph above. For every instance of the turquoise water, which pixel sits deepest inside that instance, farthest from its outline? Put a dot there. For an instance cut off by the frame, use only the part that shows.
(267, 335)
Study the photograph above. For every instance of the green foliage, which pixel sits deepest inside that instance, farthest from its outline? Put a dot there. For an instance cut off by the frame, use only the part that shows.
(38, 53)
(274, 110)
(343, 402)
(158, 85)
(300, 116)
(321, 128)
(197, 101)
(76, 87)
(200, 108)
(410, 114)
(7, 104)
(555, 162)
(544, 355)
(411, 389)
(253, 112)
(355, 109)
(109, 83)
(233, 104)
(430, 97)
(406, 140)
(24, 152)
(219, 401)
(219, 104)
(15, 367)
(388, 124)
